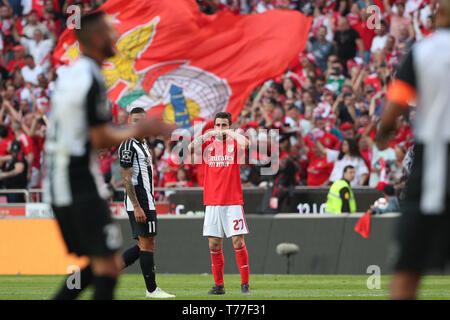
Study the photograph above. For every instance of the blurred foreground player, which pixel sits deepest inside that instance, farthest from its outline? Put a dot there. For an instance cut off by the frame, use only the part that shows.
(80, 123)
(422, 239)
(222, 197)
(137, 172)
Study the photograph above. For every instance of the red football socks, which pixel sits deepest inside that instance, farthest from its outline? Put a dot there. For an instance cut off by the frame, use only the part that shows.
(242, 261)
(217, 266)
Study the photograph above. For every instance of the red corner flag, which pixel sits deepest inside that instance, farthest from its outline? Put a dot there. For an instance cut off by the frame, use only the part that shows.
(363, 225)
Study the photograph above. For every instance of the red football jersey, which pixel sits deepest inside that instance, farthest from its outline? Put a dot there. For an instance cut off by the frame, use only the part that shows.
(328, 140)
(366, 33)
(200, 169)
(4, 146)
(27, 143)
(171, 175)
(222, 178)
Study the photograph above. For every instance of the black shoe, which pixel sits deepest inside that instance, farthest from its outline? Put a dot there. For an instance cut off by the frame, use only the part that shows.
(217, 290)
(245, 288)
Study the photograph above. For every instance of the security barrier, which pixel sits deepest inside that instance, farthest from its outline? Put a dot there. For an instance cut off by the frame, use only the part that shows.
(328, 245)
(5, 192)
(305, 200)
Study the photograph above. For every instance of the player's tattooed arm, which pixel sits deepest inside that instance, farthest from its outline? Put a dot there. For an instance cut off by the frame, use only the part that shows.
(139, 213)
(129, 187)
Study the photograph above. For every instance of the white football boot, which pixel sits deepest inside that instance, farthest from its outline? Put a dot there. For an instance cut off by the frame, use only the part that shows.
(159, 294)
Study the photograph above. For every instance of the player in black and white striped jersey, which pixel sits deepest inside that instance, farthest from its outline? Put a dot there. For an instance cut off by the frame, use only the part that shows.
(422, 240)
(137, 172)
(80, 124)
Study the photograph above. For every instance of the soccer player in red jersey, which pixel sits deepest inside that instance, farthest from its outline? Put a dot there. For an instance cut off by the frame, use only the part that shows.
(222, 196)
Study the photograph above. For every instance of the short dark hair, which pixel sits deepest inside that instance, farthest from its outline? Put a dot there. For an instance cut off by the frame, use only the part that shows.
(272, 101)
(278, 87)
(293, 107)
(348, 167)
(88, 23)
(348, 94)
(137, 110)
(364, 113)
(3, 131)
(338, 61)
(223, 115)
(389, 190)
(320, 77)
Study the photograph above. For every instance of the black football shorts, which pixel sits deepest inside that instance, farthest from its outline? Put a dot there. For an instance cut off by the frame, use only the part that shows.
(144, 230)
(422, 241)
(88, 229)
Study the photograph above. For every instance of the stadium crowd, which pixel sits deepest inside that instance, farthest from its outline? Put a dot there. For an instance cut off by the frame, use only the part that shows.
(326, 105)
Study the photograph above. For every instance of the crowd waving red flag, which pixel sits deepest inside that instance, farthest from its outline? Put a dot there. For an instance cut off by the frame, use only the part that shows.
(190, 65)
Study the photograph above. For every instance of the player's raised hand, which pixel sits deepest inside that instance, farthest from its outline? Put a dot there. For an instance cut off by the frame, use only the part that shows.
(228, 132)
(213, 133)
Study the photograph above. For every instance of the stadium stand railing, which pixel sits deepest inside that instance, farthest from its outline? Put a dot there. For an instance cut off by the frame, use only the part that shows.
(5, 192)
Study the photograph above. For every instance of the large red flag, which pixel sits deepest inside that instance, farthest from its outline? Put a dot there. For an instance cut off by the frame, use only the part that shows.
(192, 65)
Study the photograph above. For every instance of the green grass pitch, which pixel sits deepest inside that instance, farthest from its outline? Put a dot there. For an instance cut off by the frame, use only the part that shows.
(263, 287)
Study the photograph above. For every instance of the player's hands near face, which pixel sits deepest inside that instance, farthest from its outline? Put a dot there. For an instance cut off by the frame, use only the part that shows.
(213, 133)
(139, 215)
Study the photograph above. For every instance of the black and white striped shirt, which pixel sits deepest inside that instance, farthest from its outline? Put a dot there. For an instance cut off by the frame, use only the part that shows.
(79, 103)
(136, 154)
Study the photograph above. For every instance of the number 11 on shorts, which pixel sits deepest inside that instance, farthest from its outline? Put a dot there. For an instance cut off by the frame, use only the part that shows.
(151, 226)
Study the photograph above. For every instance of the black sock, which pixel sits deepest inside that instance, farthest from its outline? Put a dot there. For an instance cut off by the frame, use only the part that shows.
(69, 291)
(104, 287)
(130, 255)
(148, 269)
